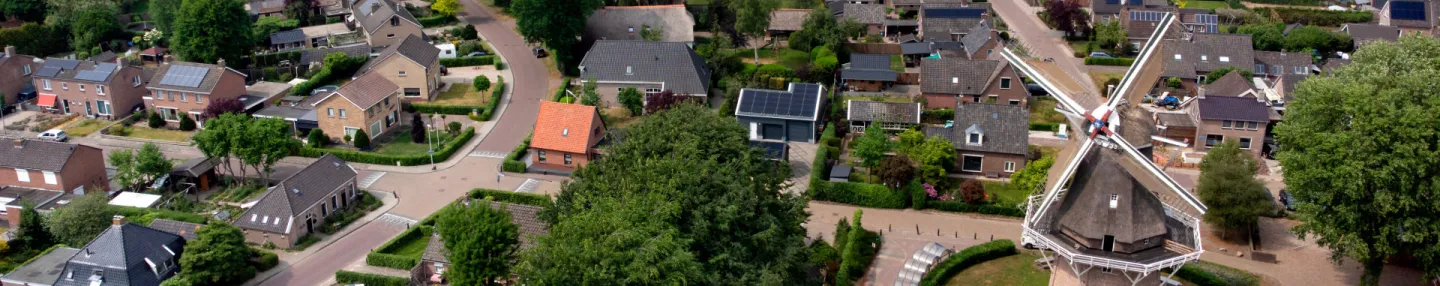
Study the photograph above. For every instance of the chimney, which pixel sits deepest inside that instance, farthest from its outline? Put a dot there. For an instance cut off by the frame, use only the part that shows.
(1200, 91)
(118, 219)
(9, 50)
(221, 63)
(399, 6)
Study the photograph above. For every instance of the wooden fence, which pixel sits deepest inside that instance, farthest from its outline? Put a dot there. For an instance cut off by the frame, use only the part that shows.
(890, 49)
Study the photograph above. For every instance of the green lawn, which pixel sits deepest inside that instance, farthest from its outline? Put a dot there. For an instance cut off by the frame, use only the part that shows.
(1006, 194)
(237, 193)
(138, 131)
(897, 63)
(399, 143)
(1206, 4)
(1009, 270)
(1043, 110)
(415, 247)
(462, 94)
(1079, 46)
(83, 127)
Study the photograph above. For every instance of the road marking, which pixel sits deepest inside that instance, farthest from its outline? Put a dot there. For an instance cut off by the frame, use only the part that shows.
(395, 219)
(528, 186)
(488, 154)
(370, 179)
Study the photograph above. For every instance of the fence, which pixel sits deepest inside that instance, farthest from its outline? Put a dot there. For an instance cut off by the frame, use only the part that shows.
(908, 78)
(889, 49)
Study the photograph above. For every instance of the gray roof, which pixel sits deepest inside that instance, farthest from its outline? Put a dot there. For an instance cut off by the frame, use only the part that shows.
(879, 111)
(915, 48)
(104, 57)
(1237, 48)
(435, 250)
(413, 48)
(37, 155)
(674, 64)
(1361, 33)
(976, 39)
(367, 90)
(297, 193)
(1232, 84)
(194, 167)
(1287, 61)
(208, 79)
(1005, 128)
(374, 13)
(267, 89)
(869, 67)
(82, 71)
(936, 27)
(1106, 6)
(284, 112)
(1233, 108)
(318, 55)
(40, 199)
(1174, 119)
(43, 269)
(121, 253)
(290, 36)
(787, 19)
(183, 229)
(1086, 210)
(865, 13)
(626, 22)
(958, 76)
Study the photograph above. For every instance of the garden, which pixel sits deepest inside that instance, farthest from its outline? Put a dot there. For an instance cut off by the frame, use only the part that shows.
(404, 251)
(410, 145)
(40, 122)
(154, 127)
(82, 127)
(477, 99)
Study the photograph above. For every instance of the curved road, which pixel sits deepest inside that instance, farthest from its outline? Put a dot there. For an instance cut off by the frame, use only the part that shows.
(527, 89)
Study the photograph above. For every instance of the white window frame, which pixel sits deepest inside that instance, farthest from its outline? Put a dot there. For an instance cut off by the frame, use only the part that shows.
(64, 86)
(50, 178)
(350, 131)
(26, 69)
(1245, 143)
(199, 98)
(1009, 166)
(100, 89)
(342, 113)
(1006, 83)
(45, 83)
(1224, 59)
(329, 112)
(22, 175)
(1227, 124)
(962, 163)
(1252, 125)
(1178, 57)
(136, 81)
(183, 98)
(400, 73)
(1204, 58)
(175, 113)
(979, 138)
(82, 87)
(102, 107)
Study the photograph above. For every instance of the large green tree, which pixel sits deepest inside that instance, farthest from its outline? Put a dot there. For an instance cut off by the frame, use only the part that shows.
(210, 30)
(264, 26)
(217, 256)
(1109, 35)
(25, 10)
(752, 18)
(872, 146)
(31, 233)
(1229, 188)
(683, 199)
(482, 242)
(134, 168)
(82, 219)
(163, 12)
(92, 25)
(303, 12)
(820, 28)
(555, 23)
(257, 143)
(1358, 149)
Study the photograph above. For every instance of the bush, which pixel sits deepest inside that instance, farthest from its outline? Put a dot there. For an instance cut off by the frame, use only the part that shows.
(513, 166)
(943, 271)
(119, 130)
(1209, 274)
(362, 140)
(187, 124)
(155, 121)
(391, 260)
(495, 97)
(431, 108)
(337, 66)
(445, 151)
(954, 206)
(481, 83)
(1109, 61)
(860, 194)
(405, 237)
(265, 260)
(346, 277)
(511, 197)
(938, 114)
(317, 138)
(773, 71)
(437, 20)
(1044, 126)
(466, 32)
(145, 216)
(468, 61)
(1317, 17)
(499, 65)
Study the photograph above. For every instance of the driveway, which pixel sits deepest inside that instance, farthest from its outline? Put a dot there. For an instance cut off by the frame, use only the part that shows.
(529, 86)
(1041, 41)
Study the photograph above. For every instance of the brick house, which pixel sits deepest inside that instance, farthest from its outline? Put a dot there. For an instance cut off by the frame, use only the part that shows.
(950, 24)
(990, 139)
(186, 88)
(53, 166)
(1276, 64)
(370, 103)
(107, 90)
(412, 64)
(1362, 34)
(385, 23)
(1411, 16)
(300, 204)
(649, 67)
(15, 73)
(785, 21)
(1192, 58)
(1221, 118)
(565, 136)
(946, 82)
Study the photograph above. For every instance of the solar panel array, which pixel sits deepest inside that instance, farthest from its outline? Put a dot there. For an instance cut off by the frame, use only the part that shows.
(954, 13)
(1407, 10)
(63, 64)
(101, 72)
(48, 71)
(799, 101)
(187, 76)
(1148, 16)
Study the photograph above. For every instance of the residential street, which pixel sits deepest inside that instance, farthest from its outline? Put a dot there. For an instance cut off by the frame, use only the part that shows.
(1041, 41)
(529, 86)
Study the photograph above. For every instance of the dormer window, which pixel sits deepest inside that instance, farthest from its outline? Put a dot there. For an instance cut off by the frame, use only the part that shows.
(974, 138)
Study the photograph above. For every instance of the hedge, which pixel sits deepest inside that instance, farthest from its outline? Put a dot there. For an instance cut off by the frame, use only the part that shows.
(1289, 2)
(1317, 17)
(818, 170)
(265, 260)
(1110, 61)
(468, 61)
(957, 206)
(495, 97)
(511, 197)
(391, 260)
(445, 109)
(368, 279)
(512, 161)
(860, 194)
(1209, 274)
(1044, 126)
(560, 93)
(948, 268)
(386, 159)
(329, 73)
(437, 20)
(143, 216)
(938, 114)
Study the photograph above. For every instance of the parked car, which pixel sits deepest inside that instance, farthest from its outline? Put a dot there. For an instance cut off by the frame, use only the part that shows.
(444, 70)
(1288, 200)
(539, 52)
(324, 90)
(56, 135)
(475, 54)
(1036, 90)
(1100, 55)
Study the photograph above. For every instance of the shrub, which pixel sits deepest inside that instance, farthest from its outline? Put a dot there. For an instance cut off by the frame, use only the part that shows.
(481, 83)
(346, 277)
(938, 114)
(468, 61)
(119, 130)
(187, 124)
(265, 260)
(431, 108)
(971, 256)
(972, 191)
(860, 194)
(1044, 126)
(155, 121)
(444, 152)
(391, 260)
(495, 97)
(773, 71)
(513, 166)
(317, 138)
(437, 20)
(453, 128)
(1109, 61)
(1317, 17)
(499, 65)
(955, 206)
(1210, 274)
(362, 140)
(511, 197)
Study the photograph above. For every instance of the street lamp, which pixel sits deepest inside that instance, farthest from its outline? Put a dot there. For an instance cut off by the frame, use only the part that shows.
(430, 142)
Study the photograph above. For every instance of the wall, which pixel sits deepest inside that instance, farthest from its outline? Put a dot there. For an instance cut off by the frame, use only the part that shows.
(230, 85)
(555, 160)
(940, 100)
(991, 163)
(1257, 137)
(260, 237)
(380, 37)
(86, 168)
(13, 78)
(334, 126)
(121, 92)
(795, 130)
(864, 85)
(1005, 95)
(610, 91)
(416, 76)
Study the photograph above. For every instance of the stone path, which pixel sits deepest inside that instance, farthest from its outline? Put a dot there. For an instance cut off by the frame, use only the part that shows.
(396, 220)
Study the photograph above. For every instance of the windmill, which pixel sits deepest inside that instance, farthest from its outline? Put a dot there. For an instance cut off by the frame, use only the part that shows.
(1107, 211)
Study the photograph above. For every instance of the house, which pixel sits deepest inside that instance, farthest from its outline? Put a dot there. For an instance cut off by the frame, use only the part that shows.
(53, 166)
(306, 37)
(301, 204)
(1221, 118)
(790, 115)
(186, 88)
(262, 92)
(1110, 10)
(1275, 64)
(266, 8)
(43, 270)
(785, 21)
(108, 90)
(125, 254)
(185, 230)
(1177, 126)
(1411, 16)
(14, 200)
(949, 24)
(990, 139)
(672, 23)
(1365, 33)
(370, 103)
(945, 82)
(385, 23)
(15, 73)
(433, 262)
(868, 72)
(889, 115)
(872, 16)
(1191, 58)
(979, 43)
(565, 136)
(649, 67)
(1141, 22)
(413, 65)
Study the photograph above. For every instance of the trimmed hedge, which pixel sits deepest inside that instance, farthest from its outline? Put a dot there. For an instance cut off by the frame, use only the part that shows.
(513, 166)
(1209, 274)
(938, 114)
(145, 216)
(468, 61)
(957, 206)
(948, 268)
(1316, 16)
(385, 159)
(511, 197)
(512, 161)
(330, 73)
(445, 109)
(391, 260)
(265, 260)
(368, 279)
(1110, 61)
(1044, 126)
(437, 20)
(860, 194)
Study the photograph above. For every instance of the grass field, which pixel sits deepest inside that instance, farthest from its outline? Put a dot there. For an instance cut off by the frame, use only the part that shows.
(80, 127)
(1206, 5)
(1006, 194)
(1100, 78)
(1043, 110)
(462, 94)
(1009, 270)
(399, 143)
(138, 131)
(415, 247)
(897, 63)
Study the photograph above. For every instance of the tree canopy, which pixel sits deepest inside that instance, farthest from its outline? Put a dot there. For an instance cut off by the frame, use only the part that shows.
(482, 242)
(217, 256)
(872, 146)
(31, 232)
(136, 167)
(163, 13)
(683, 199)
(1358, 150)
(257, 143)
(25, 10)
(1068, 17)
(82, 219)
(556, 23)
(206, 31)
(1229, 188)
(93, 25)
(752, 18)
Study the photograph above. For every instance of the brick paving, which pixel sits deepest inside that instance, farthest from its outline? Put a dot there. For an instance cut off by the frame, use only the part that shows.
(899, 232)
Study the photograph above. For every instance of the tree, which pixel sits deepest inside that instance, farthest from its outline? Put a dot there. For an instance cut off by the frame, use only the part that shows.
(155, 121)
(317, 138)
(31, 233)
(362, 141)
(752, 18)
(82, 219)
(821, 29)
(1357, 148)
(481, 83)
(163, 13)
(972, 192)
(896, 171)
(217, 256)
(223, 106)
(1228, 186)
(910, 141)
(871, 147)
(257, 143)
(1111, 36)
(1313, 38)
(482, 242)
(632, 100)
(150, 163)
(93, 25)
(663, 100)
(302, 11)
(187, 124)
(653, 34)
(126, 173)
(935, 157)
(734, 225)
(453, 128)
(588, 94)
(556, 23)
(1033, 176)
(1266, 37)
(25, 10)
(205, 31)
(446, 7)
(1067, 17)
(417, 129)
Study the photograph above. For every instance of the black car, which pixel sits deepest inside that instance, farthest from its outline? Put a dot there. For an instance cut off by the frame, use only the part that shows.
(539, 52)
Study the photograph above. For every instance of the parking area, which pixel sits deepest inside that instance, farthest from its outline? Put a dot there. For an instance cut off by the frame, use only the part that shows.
(801, 156)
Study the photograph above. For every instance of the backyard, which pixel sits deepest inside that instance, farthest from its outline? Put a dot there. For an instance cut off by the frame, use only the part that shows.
(462, 94)
(1206, 5)
(1016, 269)
(1043, 111)
(237, 193)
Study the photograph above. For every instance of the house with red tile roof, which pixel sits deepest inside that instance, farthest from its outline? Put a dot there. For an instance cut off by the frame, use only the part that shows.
(565, 136)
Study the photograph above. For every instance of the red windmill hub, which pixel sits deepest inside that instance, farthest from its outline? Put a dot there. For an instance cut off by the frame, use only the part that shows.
(1099, 124)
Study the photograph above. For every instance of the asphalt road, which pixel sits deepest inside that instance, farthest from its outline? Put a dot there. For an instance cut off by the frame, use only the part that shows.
(1021, 19)
(529, 86)
(319, 268)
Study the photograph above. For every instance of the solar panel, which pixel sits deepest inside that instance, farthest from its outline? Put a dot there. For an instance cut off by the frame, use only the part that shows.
(1207, 19)
(63, 64)
(48, 71)
(93, 75)
(954, 13)
(1148, 16)
(187, 76)
(1407, 10)
(797, 101)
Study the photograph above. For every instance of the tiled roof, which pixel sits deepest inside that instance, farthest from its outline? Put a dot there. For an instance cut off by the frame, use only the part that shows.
(1232, 84)
(1232, 108)
(44, 269)
(266, 6)
(865, 13)
(1140, 29)
(915, 48)
(290, 36)
(674, 64)
(37, 155)
(1362, 33)
(82, 71)
(976, 39)
(1174, 119)
(183, 229)
(564, 127)
(1005, 128)
(957, 76)
(879, 111)
(617, 22)
(374, 13)
(1204, 53)
(367, 90)
(1287, 62)
(207, 84)
(122, 251)
(280, 204)
(869, 67)
(413, 48)
(939, 23)
(788, 19)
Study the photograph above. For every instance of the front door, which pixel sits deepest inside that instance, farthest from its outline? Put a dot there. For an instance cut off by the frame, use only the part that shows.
(65, 106)
(88, 111)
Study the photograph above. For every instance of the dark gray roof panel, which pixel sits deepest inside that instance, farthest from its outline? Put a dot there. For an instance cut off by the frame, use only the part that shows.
(870, 61)
(1233, 108)
(801, 102)
(35, 154)
(42, 270)
(915, 48)
(183, 229)
(957, 76)
(122, 251)
(297, 193)
(866, 74)
(290, 36)
(1005, 128)
(674, 64)
(878, 111)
